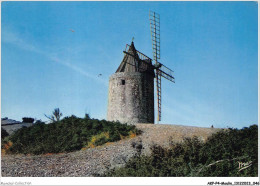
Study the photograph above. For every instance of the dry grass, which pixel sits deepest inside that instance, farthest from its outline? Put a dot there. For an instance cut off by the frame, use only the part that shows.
(6, 147)
(96, 138)
(105, 135)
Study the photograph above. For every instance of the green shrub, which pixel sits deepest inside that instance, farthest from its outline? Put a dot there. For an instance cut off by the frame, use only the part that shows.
(218, 156)
(69, 134)
(3, 133)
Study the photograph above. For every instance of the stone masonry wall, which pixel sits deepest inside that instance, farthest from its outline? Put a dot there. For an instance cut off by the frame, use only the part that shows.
(131, 98)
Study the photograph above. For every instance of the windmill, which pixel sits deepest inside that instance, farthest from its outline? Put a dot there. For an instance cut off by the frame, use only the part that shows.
(160, 69)
(131, 87)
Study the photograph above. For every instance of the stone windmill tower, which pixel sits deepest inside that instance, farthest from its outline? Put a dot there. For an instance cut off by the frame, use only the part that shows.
(131, 88)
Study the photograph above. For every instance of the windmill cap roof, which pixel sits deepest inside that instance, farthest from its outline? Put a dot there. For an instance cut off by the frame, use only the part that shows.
(133, 63)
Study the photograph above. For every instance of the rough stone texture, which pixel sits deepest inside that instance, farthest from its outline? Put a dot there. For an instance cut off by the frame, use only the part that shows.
(132, 101)
(97, 160)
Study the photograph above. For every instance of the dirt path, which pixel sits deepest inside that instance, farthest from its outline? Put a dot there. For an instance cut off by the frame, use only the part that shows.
(97, 160)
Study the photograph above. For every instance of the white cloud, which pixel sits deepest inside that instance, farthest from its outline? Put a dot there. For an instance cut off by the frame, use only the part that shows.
(77, 69)
(16, 39)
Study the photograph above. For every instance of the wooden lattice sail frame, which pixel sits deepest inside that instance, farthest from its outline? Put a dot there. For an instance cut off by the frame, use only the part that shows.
(160, 69)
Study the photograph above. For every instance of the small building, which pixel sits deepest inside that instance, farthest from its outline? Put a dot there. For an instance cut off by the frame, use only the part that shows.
(11, 125)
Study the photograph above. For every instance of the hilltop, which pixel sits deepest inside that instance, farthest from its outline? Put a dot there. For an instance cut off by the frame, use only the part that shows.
(97, 160)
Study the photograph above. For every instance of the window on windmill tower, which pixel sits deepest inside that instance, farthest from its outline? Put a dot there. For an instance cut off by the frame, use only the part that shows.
(122, 82)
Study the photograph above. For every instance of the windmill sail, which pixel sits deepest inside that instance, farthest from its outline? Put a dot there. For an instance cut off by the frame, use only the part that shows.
(166, 73)
(155, 33)
(161, 70)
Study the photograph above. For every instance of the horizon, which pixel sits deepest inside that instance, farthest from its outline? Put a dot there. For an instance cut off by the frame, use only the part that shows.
(54, 52)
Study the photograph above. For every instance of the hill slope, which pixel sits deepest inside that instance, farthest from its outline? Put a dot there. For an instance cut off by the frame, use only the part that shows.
(97, 160)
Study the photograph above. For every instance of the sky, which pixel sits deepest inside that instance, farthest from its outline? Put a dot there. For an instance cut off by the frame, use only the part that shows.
(53, 52)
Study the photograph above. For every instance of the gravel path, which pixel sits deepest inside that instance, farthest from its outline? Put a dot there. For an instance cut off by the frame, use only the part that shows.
(97, 160)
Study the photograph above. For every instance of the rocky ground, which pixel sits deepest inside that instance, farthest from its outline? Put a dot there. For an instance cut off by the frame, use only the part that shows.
(97, 160)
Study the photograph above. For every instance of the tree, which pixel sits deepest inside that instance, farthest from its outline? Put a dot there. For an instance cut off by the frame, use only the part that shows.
(56, 115)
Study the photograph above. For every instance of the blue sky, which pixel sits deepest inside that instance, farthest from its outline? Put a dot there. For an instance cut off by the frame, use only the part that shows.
(211, 46)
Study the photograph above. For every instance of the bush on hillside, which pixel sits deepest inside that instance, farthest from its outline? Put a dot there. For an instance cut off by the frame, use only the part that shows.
(69, 134)
(3, 133)
(219, 156)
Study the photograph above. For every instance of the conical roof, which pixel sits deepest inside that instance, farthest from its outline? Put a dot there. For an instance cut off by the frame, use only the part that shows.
(132, 62)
